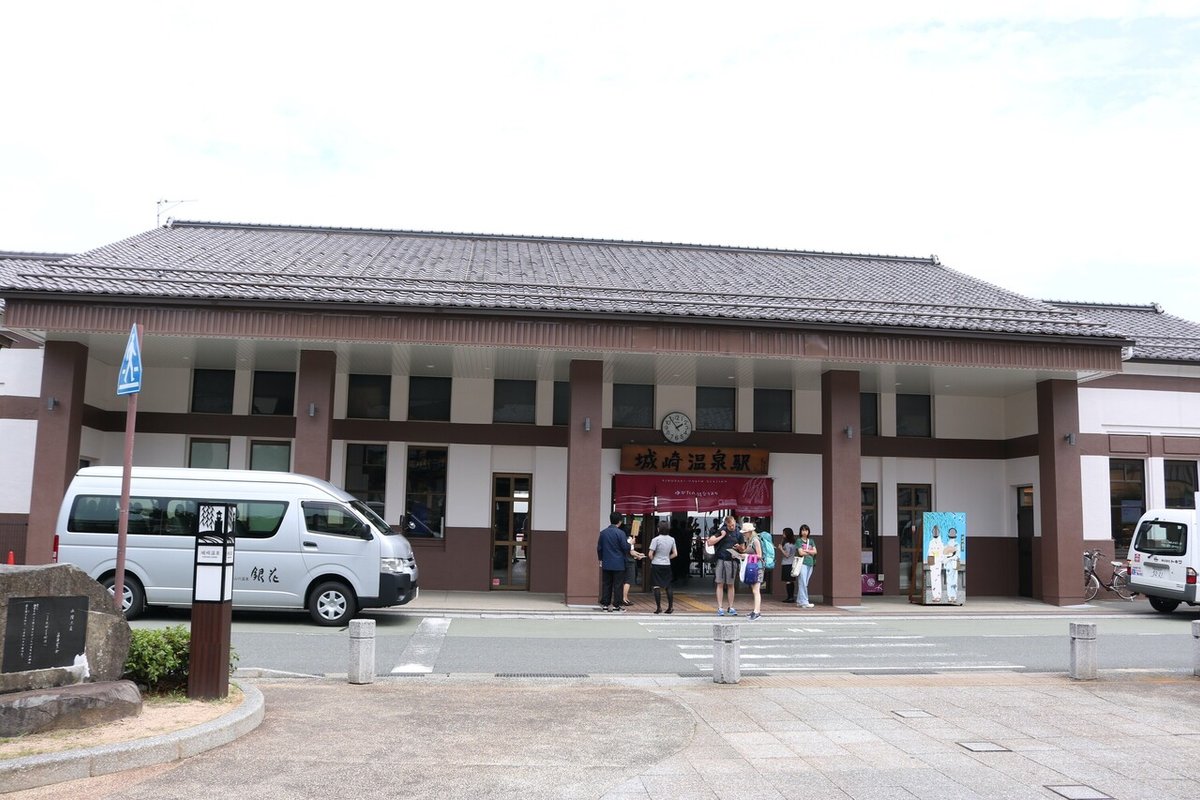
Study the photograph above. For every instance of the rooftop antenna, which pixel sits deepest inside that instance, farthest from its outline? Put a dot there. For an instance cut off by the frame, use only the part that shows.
(165, 205)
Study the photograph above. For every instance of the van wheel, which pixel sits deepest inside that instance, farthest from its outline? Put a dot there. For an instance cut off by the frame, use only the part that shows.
(331, 604)
(1163, 604)
(134, 603)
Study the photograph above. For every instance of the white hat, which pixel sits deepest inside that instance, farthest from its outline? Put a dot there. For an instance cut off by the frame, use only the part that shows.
(748, 527)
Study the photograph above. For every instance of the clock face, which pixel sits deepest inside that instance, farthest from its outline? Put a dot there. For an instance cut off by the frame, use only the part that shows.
(676, 427)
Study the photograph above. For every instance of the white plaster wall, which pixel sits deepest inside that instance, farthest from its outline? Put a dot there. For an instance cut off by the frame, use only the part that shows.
(976, 487)
(543, 409)
(164, 390)
(610, 464)
(550, 488)
(744, 409)
(92, 446)
(1097, 498)
(239, 452)
(158, 449)
(243, 385)
(507, 458)
(471, 401)
(1139, 411)
(337, 463)
(668, 398)
(399, 409)
(1023, 472)
(397, 481)
(20, 372)
(807, 416)
(341, 394)
(797, 490)
(871, 470)
(16, 478)
(1156, 482)
(1020, 414)
(887, 418)
(606, 392)
(959, 417)
(100, 386)
(468, 485)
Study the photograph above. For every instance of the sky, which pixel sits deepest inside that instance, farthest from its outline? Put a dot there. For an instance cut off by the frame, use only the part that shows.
(1047, 147)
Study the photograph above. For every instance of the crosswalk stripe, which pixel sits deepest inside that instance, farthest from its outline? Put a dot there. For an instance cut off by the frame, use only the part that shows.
(423, 648)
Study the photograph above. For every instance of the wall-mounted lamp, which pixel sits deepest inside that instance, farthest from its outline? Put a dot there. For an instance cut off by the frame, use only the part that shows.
(849, 431)
(587, 424)
(1070, 437)
(51, 403)
(312, 409)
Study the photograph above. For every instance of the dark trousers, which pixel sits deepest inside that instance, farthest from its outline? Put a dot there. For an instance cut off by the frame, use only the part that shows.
(611, 583)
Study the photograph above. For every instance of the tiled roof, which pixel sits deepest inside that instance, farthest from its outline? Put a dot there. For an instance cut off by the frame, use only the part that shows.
(407, 269)
(13, 263)
(1157, 335)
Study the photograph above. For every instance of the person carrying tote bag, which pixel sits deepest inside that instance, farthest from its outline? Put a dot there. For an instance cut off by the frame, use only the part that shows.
(802, 567)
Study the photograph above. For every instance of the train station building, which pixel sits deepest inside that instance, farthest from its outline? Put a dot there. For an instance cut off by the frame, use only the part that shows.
(499, 396)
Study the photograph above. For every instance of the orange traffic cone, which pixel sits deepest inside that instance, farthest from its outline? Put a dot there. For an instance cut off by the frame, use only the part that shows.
(12, 559)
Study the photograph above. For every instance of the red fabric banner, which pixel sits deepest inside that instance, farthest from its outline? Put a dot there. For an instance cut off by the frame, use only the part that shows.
(648, 494)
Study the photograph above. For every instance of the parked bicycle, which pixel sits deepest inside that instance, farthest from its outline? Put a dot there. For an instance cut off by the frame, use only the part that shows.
(1092, 582)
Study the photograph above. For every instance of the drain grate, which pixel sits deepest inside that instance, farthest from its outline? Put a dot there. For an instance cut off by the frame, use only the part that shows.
(542, 675)
(894, 672)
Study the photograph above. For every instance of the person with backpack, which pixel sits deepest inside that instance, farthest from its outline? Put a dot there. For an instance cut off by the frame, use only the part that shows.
(755, 569)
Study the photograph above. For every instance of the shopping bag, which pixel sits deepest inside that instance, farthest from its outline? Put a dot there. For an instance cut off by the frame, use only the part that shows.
(751, 569)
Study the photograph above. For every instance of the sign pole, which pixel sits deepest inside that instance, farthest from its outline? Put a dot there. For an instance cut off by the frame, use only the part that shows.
(129, 383)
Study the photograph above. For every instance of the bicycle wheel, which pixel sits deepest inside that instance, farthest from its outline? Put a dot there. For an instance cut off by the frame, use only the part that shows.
(1091, 585)
(1121, 585)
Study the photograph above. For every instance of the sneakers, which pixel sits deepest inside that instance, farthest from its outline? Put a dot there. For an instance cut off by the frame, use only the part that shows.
(620, 608)
(720, 612)
(808, 605)
(732, 611)
(754, 615)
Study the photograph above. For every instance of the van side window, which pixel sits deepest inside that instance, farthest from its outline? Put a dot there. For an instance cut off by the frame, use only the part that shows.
(332, 518)
(259, 519)
(98, 514)
(1159, 538)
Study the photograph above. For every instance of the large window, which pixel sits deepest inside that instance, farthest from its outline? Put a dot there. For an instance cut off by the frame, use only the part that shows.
(1127, 490)
(562, 403)
(716, 408)
(425, 492)
(868, 414)
(366, 474)
(914, 416)
(633, 405)
(274, 456)
(1180, 478)
(169, 516)
(429, 399)
(514, 401)
(208, 453)
(369, 396)
(274, 393)
(773, 410)
(212, 391)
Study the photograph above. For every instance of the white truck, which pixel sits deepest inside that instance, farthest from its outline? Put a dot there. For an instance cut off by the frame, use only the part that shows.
(1164, 557)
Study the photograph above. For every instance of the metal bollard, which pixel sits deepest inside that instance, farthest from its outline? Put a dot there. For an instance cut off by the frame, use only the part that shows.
(1196, 647)
(362, 651)
(727, 667)
(1083, 651)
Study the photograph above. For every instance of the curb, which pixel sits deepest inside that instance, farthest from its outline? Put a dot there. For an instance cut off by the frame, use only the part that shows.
(30, 772)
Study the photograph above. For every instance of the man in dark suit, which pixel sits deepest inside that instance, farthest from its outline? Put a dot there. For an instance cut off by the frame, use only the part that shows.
(611, 549)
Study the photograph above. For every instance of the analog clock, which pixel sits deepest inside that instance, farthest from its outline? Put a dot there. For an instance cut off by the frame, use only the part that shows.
(676, 427)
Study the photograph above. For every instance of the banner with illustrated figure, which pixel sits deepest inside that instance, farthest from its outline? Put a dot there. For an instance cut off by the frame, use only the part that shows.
(945, 552)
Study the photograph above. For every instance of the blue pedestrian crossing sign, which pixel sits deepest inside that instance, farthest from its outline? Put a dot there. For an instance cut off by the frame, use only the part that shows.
(129, 379)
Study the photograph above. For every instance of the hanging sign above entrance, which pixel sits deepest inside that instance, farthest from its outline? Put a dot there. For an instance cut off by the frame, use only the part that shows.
(694, 460)
(650, 494)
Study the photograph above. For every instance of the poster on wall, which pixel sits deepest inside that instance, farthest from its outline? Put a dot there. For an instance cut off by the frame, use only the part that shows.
(945, 565)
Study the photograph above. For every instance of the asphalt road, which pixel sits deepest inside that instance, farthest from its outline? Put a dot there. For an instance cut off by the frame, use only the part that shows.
(408, 643)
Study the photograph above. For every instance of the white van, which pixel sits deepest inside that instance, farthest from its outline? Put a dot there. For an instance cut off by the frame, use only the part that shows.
(301, 543)
(1164, 557)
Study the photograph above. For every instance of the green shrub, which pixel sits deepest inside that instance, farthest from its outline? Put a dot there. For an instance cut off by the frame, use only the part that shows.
(159, 659)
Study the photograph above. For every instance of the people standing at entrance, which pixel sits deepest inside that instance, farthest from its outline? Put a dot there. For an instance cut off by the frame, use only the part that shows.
(611, 548)
(662, 550)
(802, 568)
(754, 549)
(632, 556)
(726, 541)
(787, 551)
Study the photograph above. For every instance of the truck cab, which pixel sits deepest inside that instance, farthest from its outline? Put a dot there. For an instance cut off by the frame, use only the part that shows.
(1164, 557)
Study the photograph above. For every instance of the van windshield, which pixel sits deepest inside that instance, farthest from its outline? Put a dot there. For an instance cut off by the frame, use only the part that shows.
(1158, 538)
(374, 519)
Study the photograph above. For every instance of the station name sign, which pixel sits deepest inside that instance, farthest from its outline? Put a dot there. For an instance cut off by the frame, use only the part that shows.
(694, 460)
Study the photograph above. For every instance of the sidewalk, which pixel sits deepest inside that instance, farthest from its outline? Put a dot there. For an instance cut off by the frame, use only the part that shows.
(826, 735)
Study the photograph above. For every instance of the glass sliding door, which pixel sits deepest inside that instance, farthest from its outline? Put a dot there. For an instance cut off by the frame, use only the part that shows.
(511, 499)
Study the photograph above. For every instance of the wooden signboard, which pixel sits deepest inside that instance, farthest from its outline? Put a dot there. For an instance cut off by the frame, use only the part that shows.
(694, 460)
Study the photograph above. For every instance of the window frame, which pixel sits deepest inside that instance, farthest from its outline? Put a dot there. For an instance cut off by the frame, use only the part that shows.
(226, 403)
(523, 413)
(375, 382)
(429, 411)
(633, 418)
(706, 410)
(760, 405)
(285, 403)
